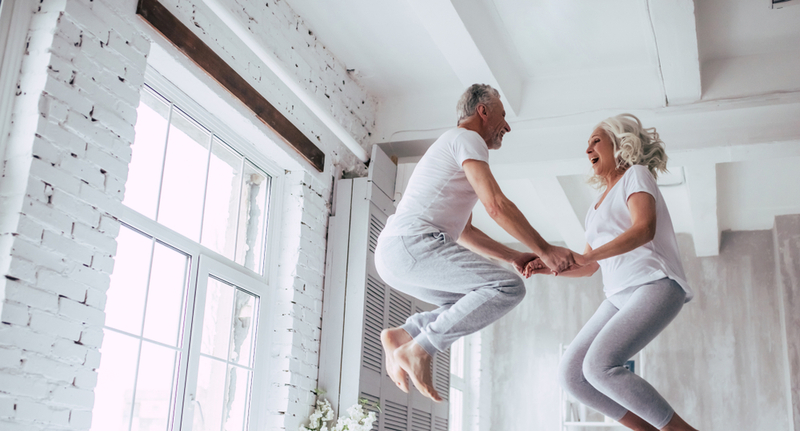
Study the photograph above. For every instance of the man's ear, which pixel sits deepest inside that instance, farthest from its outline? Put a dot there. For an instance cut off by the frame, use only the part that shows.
(482, 110)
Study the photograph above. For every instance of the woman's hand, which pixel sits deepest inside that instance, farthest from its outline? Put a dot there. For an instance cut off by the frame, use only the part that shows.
(520, 262)
(536, 266)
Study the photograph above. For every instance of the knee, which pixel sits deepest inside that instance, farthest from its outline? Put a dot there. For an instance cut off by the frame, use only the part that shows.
(595, 371)
(570, 375)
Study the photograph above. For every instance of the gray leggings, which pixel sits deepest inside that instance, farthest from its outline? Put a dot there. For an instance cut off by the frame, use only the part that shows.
(592, 367)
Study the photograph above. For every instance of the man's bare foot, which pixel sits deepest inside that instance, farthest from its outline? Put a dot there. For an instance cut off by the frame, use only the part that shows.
(391, 339)
(415, 361)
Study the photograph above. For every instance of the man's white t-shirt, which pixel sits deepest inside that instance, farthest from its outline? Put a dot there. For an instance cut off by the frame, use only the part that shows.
(439, 198)
(655, 260)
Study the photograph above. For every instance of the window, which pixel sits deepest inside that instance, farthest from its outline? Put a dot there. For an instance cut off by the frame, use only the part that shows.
(458, 385)
(188, 297)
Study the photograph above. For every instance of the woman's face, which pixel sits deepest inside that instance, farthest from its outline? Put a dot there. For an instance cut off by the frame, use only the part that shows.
(601, 153)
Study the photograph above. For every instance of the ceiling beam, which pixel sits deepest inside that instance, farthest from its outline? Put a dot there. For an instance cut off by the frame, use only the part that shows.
(675, 35)
(476, 49)
(701, 184)
(560, 211)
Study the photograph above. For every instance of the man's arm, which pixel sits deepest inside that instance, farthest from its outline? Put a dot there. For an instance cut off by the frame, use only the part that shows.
(510, 218)
(477, 241)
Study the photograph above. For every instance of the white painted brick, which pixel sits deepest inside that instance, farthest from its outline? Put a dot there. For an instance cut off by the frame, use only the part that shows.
(92, 337)
(15, 313)
(47, 323)
(35, 298)
(76, 208)
(103, 262)
(10, 357)
(84, 170)
(23, 270)
(10, 426)
(86, 379)
(61, 137)
(64, 48)
(33, 253)
(83, 14)
(106, 161)
(7, 407)
(92, 237)
(99, 199)
(69, 352)
(22, 385)
(67, 247)
(60, 284)
(81, 312)
(47, 216)
(25, 339)
(47, 152)
(92, 359)
(89, 277)
(63, 71)
(54, 176)
(80, 419)
(109, 226)
(53, 369)
(96, 299)
(73, 397)
(112, 121)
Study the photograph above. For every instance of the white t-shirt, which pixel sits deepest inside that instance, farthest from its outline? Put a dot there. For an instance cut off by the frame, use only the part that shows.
(439, 198)
(655, 260)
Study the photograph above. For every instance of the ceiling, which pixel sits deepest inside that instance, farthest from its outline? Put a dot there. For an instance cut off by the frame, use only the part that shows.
(719, 79)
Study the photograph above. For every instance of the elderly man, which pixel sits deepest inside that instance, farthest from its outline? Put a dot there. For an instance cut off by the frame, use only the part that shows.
(429, 248)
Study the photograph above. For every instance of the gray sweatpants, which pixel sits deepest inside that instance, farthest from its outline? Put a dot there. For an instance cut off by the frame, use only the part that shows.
(592, 367)
(470, 290)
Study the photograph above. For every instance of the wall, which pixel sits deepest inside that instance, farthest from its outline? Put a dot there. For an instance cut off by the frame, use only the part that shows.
(721, 363)
(63, 183)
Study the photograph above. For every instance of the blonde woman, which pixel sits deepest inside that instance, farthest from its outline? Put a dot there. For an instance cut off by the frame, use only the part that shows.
(630, 237)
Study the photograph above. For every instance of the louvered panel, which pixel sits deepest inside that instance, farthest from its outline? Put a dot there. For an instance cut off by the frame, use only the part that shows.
(375, 228)
(441, 374)
(420, 421)
(372, 405)
(395, 417)
(372, 355)
(399, 309)
(440, 424)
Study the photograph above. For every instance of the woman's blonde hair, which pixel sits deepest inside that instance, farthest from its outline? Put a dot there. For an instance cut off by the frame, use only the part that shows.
(633, 145)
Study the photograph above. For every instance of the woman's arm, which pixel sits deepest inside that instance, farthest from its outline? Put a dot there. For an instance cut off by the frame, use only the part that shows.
(642, 207)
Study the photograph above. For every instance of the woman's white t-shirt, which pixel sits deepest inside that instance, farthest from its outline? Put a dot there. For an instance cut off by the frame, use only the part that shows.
(655, 260)
(438, 197)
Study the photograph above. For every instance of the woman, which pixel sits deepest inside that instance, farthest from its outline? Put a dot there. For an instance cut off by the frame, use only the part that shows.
(630, 237)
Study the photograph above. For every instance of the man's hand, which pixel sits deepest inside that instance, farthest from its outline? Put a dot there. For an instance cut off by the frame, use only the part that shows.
(558, 259)
(521, 261)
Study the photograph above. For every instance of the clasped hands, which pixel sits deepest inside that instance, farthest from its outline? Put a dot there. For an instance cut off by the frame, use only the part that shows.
(556, 261)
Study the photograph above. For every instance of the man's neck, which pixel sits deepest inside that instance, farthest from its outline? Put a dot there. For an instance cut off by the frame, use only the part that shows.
(473, 124)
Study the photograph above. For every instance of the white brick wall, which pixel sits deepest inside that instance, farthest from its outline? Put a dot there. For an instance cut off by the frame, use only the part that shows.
(63, 182)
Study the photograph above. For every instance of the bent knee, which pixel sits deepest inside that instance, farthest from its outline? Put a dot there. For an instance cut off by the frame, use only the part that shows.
(570, 375)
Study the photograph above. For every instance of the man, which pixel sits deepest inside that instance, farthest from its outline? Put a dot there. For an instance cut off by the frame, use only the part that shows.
(428, 247)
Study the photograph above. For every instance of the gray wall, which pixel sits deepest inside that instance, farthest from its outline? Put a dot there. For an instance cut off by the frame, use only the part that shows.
(724, 363)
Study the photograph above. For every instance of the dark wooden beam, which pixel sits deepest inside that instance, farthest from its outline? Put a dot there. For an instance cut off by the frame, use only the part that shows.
(155, 14)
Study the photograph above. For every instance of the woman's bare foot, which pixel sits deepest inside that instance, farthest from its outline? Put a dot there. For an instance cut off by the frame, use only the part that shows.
(677, 424)
(636, 423)
(415, 361)
(391, 339)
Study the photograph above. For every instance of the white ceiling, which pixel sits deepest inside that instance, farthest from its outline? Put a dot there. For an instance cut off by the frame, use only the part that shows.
(719, 79)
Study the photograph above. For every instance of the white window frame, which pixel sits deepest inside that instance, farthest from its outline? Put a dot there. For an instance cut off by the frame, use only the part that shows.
(204, 261)
(15, 17)
(462, 383)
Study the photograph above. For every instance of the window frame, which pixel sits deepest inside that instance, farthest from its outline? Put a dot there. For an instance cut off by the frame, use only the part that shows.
(15, 16)
(204, 261)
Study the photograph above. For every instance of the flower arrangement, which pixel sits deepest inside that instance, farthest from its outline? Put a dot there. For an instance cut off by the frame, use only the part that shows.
(357, 418)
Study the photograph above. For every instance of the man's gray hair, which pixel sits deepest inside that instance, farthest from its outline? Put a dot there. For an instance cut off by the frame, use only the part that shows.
(475, 95)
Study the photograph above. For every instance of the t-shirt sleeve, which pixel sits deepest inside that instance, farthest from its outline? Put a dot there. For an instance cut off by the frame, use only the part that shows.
(640, 180)
(470, 146)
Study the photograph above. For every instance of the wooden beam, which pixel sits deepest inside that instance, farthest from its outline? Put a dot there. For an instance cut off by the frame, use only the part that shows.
(676, 41)
(157, 16)
(701, 182)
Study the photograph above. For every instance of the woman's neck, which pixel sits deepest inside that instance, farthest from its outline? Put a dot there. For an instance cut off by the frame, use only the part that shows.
(613, 177)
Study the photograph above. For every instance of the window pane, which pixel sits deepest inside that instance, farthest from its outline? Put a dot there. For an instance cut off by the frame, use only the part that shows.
(244, 319)
(165, 297)
(210, 395)
(144, 175)
(456, 410)
(457, 358)
(184, 182)
(217, 319)
(252, 217)
(222, 199)
(126, 295)
(154, 388)
(114, 391)
(236, 399)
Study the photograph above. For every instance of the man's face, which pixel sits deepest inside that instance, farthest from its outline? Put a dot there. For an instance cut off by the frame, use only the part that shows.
(496, 124)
